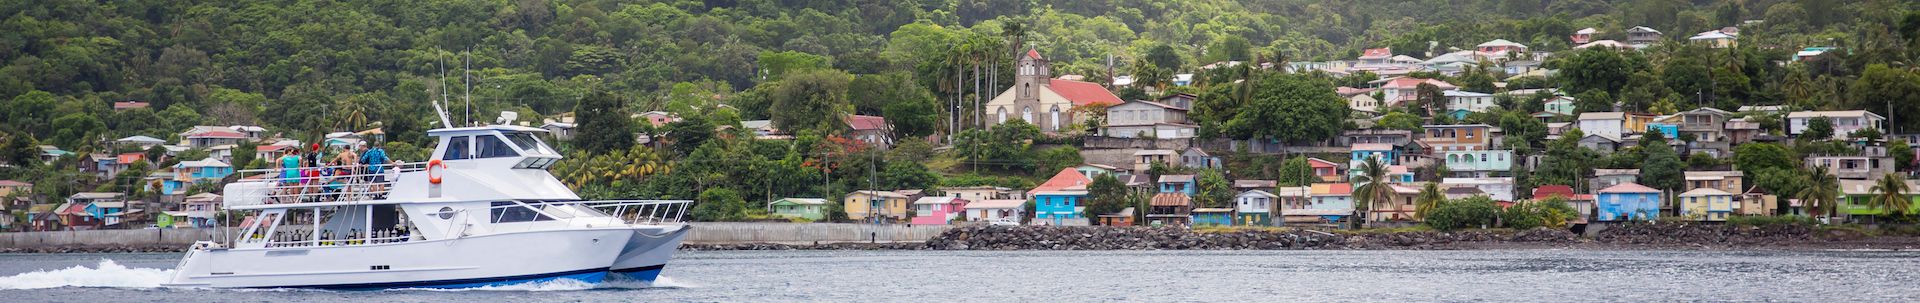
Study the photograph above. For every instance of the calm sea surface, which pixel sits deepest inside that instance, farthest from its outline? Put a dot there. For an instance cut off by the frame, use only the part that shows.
(1076, 276)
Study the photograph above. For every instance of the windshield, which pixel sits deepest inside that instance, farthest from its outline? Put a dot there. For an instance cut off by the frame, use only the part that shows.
(530, 144)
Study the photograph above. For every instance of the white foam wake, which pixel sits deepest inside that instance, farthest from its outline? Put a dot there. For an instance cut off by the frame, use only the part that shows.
(107, 274)
(553, 285)
(624, 282)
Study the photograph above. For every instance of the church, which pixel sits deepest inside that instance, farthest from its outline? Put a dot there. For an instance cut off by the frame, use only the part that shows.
(1043, 101)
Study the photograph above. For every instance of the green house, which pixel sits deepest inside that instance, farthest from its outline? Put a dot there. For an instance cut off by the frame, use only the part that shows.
(171, 219)
(1857, 199)
(810, 208)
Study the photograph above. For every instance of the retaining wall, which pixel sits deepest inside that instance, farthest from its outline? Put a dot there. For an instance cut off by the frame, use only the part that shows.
(702, 233)
(809, 233)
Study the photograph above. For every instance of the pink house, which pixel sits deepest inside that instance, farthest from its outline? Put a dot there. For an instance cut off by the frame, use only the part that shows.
(937, 210)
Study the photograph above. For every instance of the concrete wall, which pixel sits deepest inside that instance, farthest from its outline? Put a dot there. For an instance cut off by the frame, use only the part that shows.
(180, 236)
(1122, 158)
(809, 233)
(702, 233)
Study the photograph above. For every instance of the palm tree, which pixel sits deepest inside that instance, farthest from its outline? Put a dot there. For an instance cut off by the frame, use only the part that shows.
(1371, 185)
(1821, 193)
(1145, 74)
(1892, 194)
(1428, 200)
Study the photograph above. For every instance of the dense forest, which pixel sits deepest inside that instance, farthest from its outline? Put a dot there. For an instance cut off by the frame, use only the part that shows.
(306, 68)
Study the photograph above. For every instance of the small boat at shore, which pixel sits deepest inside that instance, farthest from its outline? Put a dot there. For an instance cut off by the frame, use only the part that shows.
(483, 212)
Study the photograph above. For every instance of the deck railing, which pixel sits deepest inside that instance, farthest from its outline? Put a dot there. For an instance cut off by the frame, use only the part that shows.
(330, 183)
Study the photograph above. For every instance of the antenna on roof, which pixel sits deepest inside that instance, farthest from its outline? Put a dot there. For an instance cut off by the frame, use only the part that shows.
(439, 109)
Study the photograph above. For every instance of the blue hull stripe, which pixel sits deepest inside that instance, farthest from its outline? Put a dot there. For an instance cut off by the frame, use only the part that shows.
(648, 275)
(591, 275)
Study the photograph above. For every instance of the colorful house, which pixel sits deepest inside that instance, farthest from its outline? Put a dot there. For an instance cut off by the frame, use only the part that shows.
(1478, 163)
(809, 208)
(1858, 200)
(1628, 201)
(201, 209)
(1757, 202)
(1196, 158)
(1169, 208)
(1255, 207)
(1182, 184)
(1706, 204)
(1061, 207)
(1144, 159)
(8, 187)
(996, 209)
(1361, 151)
(172, 219)
(188, 173)
(937, 210)
(1326, 170)
(1212, 216)
(866, 205)
(1095, 170)
(1581, 202)
(1331, 196)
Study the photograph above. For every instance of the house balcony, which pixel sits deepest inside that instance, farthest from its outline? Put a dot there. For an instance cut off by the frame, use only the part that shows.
(1701, 127)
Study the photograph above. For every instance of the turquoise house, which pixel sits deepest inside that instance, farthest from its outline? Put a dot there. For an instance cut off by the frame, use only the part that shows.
(1478, 163)
(809, 208)
(1177, 184)
(1628, 201)
(1212, 216)
(1361, 151)
(1060, 205)
(188, 173)
(1668, 129)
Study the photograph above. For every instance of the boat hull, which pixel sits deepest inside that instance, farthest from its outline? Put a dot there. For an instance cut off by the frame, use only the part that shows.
(475, 261)
(648, 251)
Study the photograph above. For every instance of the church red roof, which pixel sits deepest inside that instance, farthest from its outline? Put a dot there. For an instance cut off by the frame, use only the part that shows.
(1034, 53)
(1083, 93)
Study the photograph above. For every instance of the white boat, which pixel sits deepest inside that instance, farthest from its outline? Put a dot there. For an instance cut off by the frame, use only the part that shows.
(483, 212)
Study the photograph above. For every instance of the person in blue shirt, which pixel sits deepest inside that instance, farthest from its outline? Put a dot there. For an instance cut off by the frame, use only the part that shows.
(376, 161)
(290, 172)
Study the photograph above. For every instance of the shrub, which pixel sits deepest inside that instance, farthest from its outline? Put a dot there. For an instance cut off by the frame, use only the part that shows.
(1770, 220)
(1473, 212)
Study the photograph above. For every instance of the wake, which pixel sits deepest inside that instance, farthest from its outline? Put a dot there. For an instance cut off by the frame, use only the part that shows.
(106, 274)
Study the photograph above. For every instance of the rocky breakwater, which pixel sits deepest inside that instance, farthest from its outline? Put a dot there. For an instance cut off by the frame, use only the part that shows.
(1769, 237)
(1150, 238)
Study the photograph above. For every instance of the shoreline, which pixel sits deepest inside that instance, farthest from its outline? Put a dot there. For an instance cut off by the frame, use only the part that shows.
(1638, 237)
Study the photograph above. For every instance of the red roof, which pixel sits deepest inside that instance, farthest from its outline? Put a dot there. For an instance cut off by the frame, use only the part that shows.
(269, 148)
(859, 122)
(14, 183)
(1628, 188)
(1083, 93)
(1415, 82)
(1066, 178)
(218, 134)
(1378, 53)
(129, 104)
(75, 209)
(1316, 162)
(1034, 53)
(1546, 191)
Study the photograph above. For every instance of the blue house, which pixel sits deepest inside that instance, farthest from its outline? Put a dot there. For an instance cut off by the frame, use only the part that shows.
(1361, 151)
(105, 207)
(1628, 201)
(1061, 206)
(1177, 184)
(188, 173)
(1212, 216)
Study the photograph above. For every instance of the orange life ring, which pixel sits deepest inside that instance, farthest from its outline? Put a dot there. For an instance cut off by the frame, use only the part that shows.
(431, 176)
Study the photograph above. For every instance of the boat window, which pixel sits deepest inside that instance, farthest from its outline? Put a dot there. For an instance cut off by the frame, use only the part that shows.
(504, 212)
(529, 144)
(492, 147)
(457, 148)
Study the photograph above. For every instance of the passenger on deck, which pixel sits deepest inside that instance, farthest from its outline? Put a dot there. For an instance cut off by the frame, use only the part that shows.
(375, 160)
(289, 173)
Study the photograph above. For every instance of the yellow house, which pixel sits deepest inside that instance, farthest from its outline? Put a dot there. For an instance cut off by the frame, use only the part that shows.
(8, 187)
(862, 204)
(1706, 204)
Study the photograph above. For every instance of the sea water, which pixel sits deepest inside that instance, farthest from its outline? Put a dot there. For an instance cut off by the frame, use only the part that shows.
(1077, 276)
